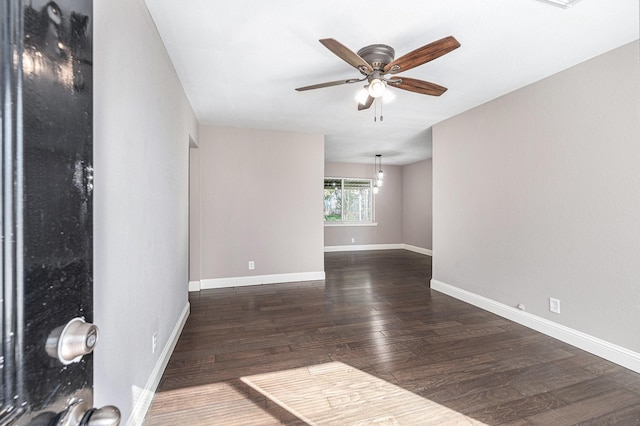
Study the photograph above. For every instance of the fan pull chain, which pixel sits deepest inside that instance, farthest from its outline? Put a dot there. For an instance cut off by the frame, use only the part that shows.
(375, 110)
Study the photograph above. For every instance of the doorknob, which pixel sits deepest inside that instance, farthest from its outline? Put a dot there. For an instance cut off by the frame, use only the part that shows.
(80, 413)
(70, 342)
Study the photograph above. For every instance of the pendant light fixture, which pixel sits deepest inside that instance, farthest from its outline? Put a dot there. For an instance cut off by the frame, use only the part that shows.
(378, 174)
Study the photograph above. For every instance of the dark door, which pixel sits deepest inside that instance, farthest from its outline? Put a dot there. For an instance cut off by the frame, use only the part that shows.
(47, 229)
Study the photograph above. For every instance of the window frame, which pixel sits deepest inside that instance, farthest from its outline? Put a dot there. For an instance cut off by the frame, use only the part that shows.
(342, 222)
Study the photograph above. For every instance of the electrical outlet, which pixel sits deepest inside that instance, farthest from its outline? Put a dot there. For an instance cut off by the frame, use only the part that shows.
(353, 240)
(154, 342)
(252, 265)
(554, 305)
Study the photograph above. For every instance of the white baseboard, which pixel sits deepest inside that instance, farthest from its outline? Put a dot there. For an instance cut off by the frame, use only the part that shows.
(260, 279)
(594, 345)
(194, 286)
(417, 249)
(364, 247)
(142, 397)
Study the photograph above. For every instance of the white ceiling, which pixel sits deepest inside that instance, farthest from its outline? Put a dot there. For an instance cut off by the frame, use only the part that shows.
(240, 61)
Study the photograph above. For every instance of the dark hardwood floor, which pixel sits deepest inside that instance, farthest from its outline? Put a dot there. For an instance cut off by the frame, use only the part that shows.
(376, 312)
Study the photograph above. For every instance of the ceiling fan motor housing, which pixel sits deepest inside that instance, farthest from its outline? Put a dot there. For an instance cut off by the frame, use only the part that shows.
(377, 55)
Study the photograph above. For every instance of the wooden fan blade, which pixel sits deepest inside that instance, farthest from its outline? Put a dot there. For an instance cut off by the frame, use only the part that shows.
(346, 54)
(329, 84)
(422, 55)
(367, 104)
(418, 86)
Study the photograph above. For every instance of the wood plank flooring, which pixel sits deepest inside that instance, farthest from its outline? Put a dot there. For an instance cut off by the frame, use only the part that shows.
(376, 313)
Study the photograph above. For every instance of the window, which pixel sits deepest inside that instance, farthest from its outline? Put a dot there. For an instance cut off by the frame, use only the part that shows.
(348, 200)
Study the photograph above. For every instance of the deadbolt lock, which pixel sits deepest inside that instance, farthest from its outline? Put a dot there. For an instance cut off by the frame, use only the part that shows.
(70, 342)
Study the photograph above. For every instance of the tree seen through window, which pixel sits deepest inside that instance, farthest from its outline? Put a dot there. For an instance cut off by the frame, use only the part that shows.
(348, 200)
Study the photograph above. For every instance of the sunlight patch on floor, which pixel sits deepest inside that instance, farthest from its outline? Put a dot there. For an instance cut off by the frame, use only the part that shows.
(336, 393)
(213, 404)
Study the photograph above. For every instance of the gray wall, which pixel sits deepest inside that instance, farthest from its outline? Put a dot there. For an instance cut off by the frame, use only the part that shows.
(417, 204)
(142, 125)
(537, 194)
(260, 200)
(388, 207)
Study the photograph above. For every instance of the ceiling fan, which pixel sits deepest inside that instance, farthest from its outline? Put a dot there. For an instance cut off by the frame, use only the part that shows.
(377, 60)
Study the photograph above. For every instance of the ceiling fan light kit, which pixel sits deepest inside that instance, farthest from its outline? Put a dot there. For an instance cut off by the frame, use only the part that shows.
(376, 61)
(376, 88)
